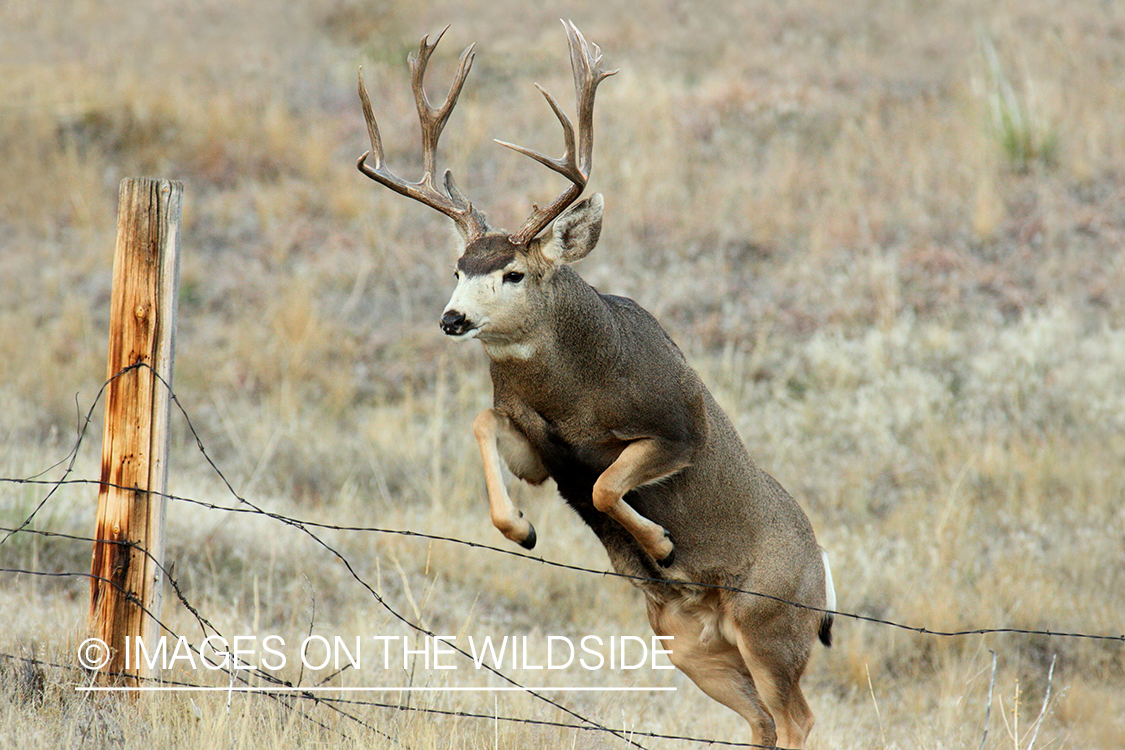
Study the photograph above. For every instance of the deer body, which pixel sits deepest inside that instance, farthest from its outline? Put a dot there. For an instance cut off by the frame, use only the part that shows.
(607, 375)
(589, 390)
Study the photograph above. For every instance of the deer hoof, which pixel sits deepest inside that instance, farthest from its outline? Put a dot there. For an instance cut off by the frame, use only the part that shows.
(529, 540)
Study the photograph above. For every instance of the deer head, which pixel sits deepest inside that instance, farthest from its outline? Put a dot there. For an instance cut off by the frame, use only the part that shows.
(500, 275)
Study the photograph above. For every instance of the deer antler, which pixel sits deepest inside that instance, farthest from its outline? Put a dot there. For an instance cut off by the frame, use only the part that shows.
(575, 164)
(452, 202)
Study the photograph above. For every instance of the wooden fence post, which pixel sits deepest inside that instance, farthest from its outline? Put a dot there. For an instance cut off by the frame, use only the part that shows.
(131, 500)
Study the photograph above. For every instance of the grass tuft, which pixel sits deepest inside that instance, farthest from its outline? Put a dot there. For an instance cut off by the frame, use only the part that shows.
(1019, 129)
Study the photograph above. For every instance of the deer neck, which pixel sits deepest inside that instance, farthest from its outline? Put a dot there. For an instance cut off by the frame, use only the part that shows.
(574, 337)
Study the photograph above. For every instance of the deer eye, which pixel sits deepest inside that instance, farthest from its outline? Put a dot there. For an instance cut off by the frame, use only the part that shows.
(513, 277)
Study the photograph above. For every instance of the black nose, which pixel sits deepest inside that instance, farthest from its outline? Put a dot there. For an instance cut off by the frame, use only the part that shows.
(454, 323)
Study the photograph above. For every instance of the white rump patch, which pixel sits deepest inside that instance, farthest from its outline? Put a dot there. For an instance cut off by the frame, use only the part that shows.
(829, 589)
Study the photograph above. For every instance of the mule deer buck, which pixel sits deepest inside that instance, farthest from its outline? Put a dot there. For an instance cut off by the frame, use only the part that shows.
(591, 392)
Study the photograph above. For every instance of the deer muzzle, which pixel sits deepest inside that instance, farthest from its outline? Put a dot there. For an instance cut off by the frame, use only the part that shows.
(454, 323)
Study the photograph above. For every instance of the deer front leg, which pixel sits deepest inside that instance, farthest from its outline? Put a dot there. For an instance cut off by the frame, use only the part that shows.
(642, 462)
(494, 433)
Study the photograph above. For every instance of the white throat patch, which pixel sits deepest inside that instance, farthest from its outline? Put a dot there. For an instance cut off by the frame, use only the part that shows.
(499, 351)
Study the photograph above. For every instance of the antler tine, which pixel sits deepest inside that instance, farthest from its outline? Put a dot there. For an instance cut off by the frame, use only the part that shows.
(566, 165)
(575, 163)
(372, 132)
(588, 66)
(452, 203)
(433, 120)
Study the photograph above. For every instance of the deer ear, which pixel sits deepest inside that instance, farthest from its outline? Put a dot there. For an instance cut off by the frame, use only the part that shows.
(575, 232)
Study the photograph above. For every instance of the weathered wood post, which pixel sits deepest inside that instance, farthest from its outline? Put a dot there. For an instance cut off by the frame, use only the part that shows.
(131, 500)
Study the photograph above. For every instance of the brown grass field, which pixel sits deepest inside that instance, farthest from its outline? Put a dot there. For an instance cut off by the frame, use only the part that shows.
(890, 234)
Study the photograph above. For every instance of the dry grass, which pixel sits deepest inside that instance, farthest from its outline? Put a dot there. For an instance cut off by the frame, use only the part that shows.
(888, 234)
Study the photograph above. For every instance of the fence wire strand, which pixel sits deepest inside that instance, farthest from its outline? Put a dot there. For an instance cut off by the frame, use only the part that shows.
(304, 524)
(307, 527)
(343, 560)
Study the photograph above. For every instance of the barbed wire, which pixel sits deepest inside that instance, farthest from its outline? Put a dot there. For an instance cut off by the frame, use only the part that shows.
(203, 622)
(71, 457)
(301, 523)
(591, 725)
(232, 674)
(343, 560)
(33, 661)
(298, 693)
(129, 596)
(305, 694)
(307, 527)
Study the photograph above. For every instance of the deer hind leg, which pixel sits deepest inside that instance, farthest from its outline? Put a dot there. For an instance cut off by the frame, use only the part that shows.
(496, 437)
(777, 663)
(715, 666)
(643, 461)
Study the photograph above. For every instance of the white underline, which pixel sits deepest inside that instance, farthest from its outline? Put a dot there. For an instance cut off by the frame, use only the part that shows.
(249, 689)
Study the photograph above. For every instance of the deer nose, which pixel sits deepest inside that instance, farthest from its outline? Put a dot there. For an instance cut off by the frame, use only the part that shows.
(454, 323)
